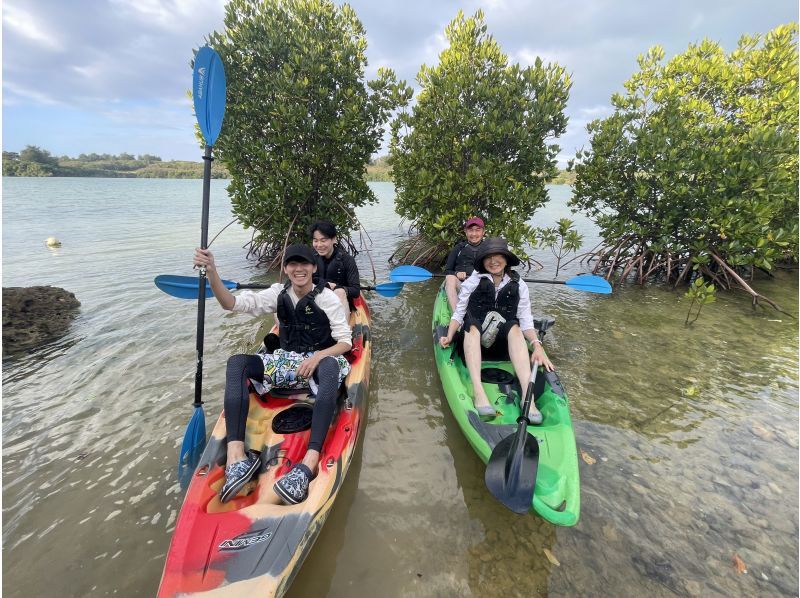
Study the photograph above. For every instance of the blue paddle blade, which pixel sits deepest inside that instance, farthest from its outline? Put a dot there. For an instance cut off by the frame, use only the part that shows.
(409, 274)
(185, 287)
(389, 289)
(208, 91)
(590, 283)
(194, 440)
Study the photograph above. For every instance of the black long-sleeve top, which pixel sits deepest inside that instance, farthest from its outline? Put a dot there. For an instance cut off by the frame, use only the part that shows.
(340, 269)
(462, 258)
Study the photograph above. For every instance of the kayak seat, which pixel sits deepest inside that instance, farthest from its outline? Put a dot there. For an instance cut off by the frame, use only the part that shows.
(304, 393)
(288, 393)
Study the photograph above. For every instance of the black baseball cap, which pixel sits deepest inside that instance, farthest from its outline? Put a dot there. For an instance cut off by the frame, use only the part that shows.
(299, 253)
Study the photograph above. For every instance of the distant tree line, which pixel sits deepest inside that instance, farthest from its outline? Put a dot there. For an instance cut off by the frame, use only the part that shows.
(34, 161)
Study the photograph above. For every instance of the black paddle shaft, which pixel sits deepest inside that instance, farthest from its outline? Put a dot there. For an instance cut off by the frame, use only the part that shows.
(201, 287)
(511, 471)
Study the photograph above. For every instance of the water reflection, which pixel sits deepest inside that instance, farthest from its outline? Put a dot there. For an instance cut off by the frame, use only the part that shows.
(320, 566)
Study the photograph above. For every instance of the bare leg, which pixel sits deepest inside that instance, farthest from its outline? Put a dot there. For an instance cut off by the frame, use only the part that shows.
(472, 355)
(451, 287)
(518, 351)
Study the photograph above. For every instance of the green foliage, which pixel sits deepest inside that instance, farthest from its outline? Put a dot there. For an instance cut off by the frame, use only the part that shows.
(564, 177)
(32, 161)
(36, 162)
(701, 293)
(37, 155)
(698, 165)
(379, 170)
(301, 121)
(475, 143)
(561, 240)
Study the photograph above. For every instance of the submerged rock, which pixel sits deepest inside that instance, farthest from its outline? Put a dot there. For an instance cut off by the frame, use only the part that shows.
(33, 316)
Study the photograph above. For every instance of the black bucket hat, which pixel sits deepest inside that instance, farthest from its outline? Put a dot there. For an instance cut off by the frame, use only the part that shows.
(494, 245)
(299, 253)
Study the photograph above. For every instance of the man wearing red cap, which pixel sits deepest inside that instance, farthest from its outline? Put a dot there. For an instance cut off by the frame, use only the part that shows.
(460, 261)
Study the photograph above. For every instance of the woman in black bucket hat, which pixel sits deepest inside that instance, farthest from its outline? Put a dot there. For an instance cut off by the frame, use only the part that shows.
(495, 311)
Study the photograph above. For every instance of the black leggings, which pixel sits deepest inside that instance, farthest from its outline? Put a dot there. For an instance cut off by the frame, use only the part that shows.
(237, 400)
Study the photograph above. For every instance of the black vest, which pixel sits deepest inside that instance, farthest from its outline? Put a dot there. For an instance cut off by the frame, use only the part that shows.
(333, 271)
(482, 300)
(304, 327)
(465, 259)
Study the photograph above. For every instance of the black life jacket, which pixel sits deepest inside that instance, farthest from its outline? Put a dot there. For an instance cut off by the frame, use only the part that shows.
(482, 300)
(333, 270)
(465, 258)
(304, 327)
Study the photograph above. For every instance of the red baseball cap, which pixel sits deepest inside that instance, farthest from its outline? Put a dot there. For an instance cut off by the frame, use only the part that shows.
(474, 221)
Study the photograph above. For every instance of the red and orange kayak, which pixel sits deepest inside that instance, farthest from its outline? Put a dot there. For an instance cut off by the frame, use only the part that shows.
(251, 546)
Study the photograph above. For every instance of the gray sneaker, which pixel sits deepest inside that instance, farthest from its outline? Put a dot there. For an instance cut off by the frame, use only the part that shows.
(238, 474)
(293, 487)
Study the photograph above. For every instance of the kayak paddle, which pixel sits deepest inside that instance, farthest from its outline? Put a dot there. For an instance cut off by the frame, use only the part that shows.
(511, 470)
(208, 92)
(186, 287)
(582, 282)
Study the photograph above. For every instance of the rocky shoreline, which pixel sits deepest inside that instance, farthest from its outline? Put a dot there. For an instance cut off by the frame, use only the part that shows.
(33, 316)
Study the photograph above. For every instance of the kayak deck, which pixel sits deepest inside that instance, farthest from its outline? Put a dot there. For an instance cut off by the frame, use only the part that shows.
(556, 495)
(250, 545)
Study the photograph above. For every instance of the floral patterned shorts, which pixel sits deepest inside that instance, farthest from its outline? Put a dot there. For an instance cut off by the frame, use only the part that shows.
(280, 370)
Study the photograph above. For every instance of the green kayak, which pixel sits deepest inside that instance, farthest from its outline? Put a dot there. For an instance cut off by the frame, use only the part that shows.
(556, 495)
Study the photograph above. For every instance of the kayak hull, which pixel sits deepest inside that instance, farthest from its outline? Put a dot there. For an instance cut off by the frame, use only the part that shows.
(252, 546)
(556, 495)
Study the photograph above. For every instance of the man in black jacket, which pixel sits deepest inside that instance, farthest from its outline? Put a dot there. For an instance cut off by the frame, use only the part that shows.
(334, 265)
(460, 261)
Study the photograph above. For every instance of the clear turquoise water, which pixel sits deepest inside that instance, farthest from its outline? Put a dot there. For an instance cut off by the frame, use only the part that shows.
(694, 431)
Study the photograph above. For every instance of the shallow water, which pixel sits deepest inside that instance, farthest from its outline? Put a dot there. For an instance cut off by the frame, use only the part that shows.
(694, 430)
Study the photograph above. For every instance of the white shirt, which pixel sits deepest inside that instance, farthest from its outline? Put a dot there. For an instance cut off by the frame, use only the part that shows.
(471, 283)
(262, 303)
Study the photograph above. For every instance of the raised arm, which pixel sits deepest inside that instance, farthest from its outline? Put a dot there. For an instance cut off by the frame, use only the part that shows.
(204, 258)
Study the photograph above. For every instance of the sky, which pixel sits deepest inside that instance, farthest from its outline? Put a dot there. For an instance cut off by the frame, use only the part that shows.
(111, 76)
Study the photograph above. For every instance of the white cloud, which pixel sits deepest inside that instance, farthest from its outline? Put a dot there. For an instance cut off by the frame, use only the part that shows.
(527, 56)
(167, 14)
(153, 117)
(12, 92)
(434, 45)
(592, 112)
(24, 23)
(159, 12)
